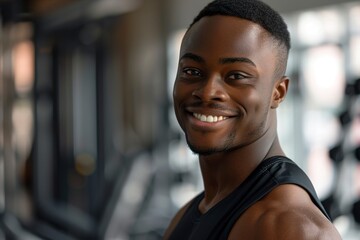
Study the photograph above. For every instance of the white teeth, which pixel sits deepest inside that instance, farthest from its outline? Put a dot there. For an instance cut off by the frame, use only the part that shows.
(209, 118)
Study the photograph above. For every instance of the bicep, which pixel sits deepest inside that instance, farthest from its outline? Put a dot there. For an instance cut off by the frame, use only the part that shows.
(298, 225)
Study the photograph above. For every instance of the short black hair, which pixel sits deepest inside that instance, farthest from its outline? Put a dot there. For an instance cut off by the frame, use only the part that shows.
(255, 11)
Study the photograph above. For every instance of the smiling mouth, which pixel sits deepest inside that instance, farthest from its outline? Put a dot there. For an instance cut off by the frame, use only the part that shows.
(209, 118)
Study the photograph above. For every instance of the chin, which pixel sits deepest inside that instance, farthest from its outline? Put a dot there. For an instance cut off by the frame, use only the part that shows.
(206, 151)
(212, 147)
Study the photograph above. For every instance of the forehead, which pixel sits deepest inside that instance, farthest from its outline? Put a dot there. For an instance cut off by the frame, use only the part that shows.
(225, 36)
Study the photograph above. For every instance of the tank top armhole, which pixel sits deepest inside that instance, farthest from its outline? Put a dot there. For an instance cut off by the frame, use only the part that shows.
(296, 177)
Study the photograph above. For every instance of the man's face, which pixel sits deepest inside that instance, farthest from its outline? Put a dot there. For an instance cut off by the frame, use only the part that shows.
(224, 84)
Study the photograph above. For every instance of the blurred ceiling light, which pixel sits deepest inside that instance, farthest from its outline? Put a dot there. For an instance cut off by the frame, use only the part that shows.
(355, 19)
(23, 66)
(333, 24)
(354, 54)
(316, 27)
(321, 171)
(355, 131)
(324, 76)
(321, 128)
(310, 28)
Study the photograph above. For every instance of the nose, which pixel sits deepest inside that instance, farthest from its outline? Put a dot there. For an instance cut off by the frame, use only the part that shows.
(211, 89)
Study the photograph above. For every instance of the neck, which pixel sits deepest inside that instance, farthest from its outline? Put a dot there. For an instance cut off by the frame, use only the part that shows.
(223, 172)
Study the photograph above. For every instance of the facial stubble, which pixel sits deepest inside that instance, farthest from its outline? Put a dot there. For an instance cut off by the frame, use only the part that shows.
(230, 144)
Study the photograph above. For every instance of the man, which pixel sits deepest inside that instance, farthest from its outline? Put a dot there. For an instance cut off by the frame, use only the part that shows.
(229, 83)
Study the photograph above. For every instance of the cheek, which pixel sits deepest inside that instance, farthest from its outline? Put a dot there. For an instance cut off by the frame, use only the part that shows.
(177, 91)
(174, 90)
(262, 98)
(250, 100)
(181, 92)
(254, 102)
(179, 95)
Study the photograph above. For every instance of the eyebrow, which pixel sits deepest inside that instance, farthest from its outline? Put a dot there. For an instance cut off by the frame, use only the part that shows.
(192, 56)
(236, 59)
(226, 60)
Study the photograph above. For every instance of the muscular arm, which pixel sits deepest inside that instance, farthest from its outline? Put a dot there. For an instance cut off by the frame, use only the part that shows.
(292, 224)
(286, 213)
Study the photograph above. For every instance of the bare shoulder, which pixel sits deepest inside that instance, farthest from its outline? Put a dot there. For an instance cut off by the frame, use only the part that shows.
(285, 213)
(175, 221)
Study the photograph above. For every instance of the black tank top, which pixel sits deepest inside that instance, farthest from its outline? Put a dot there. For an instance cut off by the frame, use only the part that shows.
(217, 223)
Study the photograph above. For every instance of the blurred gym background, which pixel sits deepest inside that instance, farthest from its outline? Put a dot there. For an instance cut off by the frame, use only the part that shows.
(89, 145)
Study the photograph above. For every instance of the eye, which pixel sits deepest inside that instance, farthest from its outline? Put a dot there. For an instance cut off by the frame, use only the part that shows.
(237, 76)
(193, 72)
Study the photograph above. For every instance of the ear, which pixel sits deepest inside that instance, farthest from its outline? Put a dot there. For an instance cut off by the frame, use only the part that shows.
(279, 92)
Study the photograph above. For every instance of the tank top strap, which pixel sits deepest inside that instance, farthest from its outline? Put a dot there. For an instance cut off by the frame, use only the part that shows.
(217, 223)
(271, 173)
